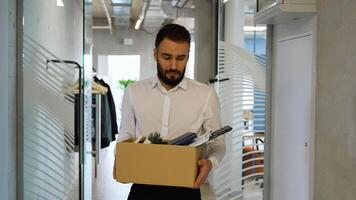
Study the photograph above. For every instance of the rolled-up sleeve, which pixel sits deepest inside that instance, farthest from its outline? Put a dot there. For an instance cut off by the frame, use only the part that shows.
(212, 121)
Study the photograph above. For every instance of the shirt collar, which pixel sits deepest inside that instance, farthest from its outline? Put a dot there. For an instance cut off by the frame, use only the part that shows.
(183, 84)
(154, 82)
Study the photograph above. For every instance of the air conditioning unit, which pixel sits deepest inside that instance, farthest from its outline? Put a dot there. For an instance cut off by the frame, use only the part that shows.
(283, 11)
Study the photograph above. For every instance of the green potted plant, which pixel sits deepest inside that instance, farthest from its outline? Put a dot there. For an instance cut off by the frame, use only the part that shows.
(124, 83)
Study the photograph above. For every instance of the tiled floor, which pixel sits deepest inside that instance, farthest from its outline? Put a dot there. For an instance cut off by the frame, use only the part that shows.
(104, 186)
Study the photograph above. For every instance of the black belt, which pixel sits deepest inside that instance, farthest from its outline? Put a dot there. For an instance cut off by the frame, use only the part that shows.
(155, 192)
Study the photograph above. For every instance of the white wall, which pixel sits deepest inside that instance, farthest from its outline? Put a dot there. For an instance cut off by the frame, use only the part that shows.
(143, 44)
(234, 22)
(293, 105)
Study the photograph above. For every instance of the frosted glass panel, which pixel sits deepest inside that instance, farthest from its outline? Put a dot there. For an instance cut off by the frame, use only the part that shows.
(241, 90)
(52, 30)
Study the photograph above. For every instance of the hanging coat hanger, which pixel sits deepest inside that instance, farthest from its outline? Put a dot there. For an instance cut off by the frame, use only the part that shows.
(96, 88)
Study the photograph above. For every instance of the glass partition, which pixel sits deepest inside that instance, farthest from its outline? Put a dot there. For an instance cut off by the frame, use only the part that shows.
(55, 109)
(86, 153)
(241, 89)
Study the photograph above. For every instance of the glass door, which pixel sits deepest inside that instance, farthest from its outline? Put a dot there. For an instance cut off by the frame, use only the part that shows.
(241, 87)
(54, 85)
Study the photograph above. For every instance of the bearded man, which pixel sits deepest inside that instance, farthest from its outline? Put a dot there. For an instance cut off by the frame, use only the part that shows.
(172, 105)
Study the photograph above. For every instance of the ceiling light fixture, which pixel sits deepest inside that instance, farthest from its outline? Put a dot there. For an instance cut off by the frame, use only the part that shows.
(138, 23)
(60, 3)
(255, 28)
(143, 13)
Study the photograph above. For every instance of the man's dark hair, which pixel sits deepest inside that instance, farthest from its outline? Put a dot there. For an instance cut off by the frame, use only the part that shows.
(174, 32)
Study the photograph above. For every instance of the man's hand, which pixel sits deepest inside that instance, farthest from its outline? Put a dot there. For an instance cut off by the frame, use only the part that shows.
(114, 169)
(204, 169)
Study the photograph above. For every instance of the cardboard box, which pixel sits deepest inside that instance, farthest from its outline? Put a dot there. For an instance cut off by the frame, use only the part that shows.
(157, 164)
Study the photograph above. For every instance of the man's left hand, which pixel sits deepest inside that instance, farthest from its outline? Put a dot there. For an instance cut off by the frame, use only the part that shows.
(205, 166)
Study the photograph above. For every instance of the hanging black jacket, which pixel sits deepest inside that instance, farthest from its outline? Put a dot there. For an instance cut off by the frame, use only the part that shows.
(111, 106)
(108, 117)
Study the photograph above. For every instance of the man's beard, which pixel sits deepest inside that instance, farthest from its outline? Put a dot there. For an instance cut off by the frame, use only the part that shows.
(162, 75)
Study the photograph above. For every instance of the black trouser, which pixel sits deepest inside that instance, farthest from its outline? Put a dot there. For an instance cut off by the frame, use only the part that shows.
(155, 192)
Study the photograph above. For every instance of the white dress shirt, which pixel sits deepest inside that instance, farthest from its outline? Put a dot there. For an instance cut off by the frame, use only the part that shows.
(189, 107)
